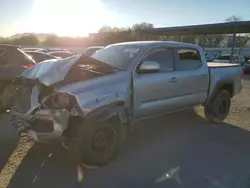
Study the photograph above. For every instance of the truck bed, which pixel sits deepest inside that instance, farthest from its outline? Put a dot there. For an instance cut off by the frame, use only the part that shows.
(227, 73)
(217, 65)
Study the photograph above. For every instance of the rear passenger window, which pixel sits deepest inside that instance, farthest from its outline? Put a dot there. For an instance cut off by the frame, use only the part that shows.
(188, 59)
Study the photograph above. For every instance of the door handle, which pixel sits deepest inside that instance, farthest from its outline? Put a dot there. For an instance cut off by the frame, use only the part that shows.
(174, 79)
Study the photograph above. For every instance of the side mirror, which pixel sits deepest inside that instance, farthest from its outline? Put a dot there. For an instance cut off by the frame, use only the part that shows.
(149, 67)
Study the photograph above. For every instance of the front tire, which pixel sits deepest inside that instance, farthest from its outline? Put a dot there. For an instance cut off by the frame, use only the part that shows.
(218, 108)
(94, 143)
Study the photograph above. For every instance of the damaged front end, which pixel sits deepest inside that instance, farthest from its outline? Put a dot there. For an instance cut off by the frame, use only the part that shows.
(30, 116)
(53, 92)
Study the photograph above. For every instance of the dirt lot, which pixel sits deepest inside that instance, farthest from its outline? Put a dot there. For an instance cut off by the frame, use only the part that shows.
(179, 150)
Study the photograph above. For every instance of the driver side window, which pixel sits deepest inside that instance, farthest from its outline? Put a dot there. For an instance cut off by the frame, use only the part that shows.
(162, 56)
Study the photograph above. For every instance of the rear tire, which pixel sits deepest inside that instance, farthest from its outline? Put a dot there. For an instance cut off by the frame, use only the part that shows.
(94, 143)
(217, 110)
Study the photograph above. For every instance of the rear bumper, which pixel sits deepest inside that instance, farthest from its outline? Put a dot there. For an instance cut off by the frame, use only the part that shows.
(44, 126)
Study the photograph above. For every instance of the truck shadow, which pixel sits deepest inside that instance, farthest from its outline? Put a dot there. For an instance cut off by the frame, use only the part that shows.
(45, 166)
(178, 150)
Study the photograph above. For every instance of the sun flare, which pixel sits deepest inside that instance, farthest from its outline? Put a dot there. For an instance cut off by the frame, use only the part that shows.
(66, 17)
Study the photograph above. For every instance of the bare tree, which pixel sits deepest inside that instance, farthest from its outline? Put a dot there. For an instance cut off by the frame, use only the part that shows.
(214, 40)
(241, 39)
(233, 18)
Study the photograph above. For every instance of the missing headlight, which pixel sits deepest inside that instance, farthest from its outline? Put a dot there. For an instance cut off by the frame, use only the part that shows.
(59, 100)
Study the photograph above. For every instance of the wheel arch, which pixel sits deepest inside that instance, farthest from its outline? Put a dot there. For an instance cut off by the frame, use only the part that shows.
(107, 111)
(222, 85)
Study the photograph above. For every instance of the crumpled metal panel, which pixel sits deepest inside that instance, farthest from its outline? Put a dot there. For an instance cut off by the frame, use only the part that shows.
(95, 93)
(51, 71)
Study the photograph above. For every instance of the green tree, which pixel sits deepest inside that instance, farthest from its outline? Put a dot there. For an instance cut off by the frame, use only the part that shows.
(142, 25)
(108, 34)
(51, 40)
(107, 28)
(30, 40)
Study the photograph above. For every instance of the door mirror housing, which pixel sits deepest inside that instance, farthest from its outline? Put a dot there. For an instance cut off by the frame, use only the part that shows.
(149, 67)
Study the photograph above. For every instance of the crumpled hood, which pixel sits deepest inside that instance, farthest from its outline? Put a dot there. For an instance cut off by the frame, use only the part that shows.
(99, 91)
(51, 71)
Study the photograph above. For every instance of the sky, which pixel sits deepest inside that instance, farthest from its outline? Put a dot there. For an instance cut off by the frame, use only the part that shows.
(80, 17)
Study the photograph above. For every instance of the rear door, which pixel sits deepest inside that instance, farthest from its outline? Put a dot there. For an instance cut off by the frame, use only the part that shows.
(192, 78)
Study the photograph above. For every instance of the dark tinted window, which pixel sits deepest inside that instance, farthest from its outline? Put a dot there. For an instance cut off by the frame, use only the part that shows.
(164, 57)
(25, 58)
(188, 59)
(225, 57)
(2, 56)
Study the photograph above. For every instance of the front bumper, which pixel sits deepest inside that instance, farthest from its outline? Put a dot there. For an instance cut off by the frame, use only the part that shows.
(44, 125)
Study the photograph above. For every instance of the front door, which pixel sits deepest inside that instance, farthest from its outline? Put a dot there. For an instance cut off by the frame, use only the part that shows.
(152, 91)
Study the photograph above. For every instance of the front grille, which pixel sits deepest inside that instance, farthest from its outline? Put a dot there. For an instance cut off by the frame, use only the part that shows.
(42, 126)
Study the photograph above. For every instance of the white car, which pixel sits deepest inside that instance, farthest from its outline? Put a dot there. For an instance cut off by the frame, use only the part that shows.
(225, 58)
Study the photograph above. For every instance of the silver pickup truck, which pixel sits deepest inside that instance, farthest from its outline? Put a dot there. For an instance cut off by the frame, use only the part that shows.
(91, 103)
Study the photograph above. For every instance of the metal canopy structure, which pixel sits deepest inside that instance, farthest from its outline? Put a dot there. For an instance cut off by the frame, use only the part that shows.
(205, 29)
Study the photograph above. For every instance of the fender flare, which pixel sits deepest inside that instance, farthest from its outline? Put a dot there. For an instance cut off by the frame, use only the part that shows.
(114, 109)
(217, 89)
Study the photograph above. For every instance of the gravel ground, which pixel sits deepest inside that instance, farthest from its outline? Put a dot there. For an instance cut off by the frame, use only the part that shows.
(178, 150)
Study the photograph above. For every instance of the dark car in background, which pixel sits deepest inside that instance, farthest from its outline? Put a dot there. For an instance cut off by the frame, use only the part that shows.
(246, 67)
(62, 54)
(40, 56)
(13, 61)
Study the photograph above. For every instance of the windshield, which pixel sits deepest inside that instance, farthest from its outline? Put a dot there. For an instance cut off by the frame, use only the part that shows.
(117, 56)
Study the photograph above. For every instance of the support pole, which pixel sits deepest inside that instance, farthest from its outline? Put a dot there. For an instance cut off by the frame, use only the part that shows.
(204, 41)
(177, 38)
(232, 49)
